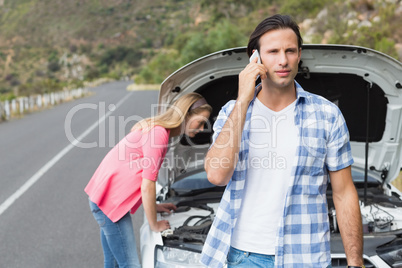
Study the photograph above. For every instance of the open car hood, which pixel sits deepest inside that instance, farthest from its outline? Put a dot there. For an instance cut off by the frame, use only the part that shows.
(364, 83)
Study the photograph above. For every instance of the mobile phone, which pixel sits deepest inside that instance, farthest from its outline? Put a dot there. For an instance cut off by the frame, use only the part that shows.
(256, 54)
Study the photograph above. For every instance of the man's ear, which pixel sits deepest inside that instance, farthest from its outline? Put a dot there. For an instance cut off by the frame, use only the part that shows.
(300, 52)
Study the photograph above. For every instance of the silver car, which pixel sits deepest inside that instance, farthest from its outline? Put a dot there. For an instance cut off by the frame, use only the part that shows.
(367, 87)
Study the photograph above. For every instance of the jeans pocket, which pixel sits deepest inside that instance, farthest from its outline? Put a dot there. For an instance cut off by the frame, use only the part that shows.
(235, 257)
(99, 217)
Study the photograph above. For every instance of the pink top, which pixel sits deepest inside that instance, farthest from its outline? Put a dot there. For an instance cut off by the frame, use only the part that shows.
(116, 184)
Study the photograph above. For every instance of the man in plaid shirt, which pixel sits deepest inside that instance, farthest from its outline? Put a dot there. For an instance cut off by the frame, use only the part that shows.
(275, 148)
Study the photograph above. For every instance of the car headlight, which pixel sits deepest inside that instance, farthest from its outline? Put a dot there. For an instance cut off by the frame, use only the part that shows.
(392, 253)
(166, 257)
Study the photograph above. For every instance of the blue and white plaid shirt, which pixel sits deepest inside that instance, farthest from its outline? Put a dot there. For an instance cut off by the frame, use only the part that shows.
(303, 235)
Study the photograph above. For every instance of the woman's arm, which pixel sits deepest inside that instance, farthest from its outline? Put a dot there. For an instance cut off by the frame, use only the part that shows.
(148, 191)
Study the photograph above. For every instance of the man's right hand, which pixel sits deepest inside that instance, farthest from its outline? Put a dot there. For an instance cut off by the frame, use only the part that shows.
(247, 79)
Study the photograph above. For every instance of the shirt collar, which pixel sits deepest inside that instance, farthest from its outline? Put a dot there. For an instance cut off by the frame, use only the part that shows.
(300, 93)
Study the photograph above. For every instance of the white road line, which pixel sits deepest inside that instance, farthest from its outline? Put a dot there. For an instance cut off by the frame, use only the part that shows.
(31, 181)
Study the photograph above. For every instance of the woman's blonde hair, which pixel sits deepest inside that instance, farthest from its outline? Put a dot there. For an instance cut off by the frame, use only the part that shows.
(175, 114)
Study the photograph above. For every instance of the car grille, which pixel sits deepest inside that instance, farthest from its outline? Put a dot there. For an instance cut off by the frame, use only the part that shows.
(342, 262)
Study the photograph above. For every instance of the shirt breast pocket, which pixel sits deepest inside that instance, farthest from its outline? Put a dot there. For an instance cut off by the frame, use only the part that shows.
(314, 153)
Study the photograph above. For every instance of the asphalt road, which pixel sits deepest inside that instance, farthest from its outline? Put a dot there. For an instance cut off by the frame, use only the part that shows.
(45, 219)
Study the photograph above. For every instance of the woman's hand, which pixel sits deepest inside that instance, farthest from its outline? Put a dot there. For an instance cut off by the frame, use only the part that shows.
(165, 207)
(164, 224)
(160, 226)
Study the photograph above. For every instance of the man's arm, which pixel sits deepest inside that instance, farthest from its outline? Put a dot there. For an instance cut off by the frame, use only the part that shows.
(222, 157)
(348, 214)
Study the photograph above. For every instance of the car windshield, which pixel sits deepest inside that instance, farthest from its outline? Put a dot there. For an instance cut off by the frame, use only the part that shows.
(193, 181)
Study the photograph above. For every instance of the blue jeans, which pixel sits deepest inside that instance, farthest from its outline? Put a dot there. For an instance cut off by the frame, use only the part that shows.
(238, 258)
(118, 241)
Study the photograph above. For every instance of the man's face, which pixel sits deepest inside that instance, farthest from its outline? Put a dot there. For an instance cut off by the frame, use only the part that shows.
(280, 54)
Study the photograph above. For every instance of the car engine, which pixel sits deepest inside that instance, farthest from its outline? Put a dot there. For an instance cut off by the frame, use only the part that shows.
(191, 223)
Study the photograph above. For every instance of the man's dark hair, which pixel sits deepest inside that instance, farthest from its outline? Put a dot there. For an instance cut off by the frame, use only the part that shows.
(274, 22)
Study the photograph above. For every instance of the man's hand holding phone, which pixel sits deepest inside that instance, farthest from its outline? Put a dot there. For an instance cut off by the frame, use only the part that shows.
(255, 55)
(249, 75)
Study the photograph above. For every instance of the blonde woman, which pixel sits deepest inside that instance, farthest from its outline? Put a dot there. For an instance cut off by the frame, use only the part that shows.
(126, 177)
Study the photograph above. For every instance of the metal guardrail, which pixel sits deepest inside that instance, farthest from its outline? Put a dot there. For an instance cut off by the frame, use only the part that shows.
(19, 106)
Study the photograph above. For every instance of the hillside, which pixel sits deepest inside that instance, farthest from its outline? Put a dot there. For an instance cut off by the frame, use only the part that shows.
(47, 45)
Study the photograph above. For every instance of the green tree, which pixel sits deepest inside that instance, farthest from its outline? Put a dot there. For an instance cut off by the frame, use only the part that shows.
(161, 66)
(300, 9)
(191, 46)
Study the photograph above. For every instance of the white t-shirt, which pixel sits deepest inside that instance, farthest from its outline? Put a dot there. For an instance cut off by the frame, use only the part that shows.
(273, 143)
